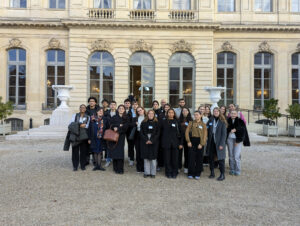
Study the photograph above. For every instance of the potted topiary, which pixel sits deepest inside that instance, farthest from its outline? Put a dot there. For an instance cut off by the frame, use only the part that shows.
(271, 112)
(6, 109)
(294, 111)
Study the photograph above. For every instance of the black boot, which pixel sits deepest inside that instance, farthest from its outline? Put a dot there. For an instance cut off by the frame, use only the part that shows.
(212, 174)
(221, 177)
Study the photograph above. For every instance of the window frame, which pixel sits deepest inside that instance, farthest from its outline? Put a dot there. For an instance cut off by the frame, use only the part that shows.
(227, 2)
(297, 67)
(181, 80)
(16, 63)
(292, 11)
(261, 10)
(100, 64)
(225, 67)
(57, 5)
(18, 4)
(190, 4)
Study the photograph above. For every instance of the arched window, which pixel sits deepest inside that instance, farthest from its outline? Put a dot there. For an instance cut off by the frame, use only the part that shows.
(17, 77)
(181, 79)
(226, 71)
(263, 78)
(55, 75)
(101, 67)
(295, 78)
(142, 78)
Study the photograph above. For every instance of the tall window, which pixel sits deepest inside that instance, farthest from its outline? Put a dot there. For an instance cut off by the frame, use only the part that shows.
(296, 78)
(142, 4)
(263, 74)
(142, 78)
(181, 79)
(57, 4)
(101, 66)
(264, 5)
(55, 75)
(102, 4)
(18, 3)
(226, 67)
(182, 4)
(17, 77)
(296, 6)
(226, 5)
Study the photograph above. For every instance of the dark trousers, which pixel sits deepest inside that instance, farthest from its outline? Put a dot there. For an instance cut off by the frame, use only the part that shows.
(171, 161)
(139, 160)
(195, 158)
(212, 154)
(118, 165)
(160, 156)
(130, 147)
(79, 154)
(185, 150)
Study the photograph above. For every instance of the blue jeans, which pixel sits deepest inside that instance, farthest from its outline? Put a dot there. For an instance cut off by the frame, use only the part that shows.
(234, 152)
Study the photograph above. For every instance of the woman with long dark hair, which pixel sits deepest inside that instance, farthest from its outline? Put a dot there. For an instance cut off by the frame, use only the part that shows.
(171, 142)
(141, 115)
(119, 123)
(216, 143)
(184, 119)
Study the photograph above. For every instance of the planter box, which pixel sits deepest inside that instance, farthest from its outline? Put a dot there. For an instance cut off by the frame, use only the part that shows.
(294, 131)
(270, 130)
(5, 128)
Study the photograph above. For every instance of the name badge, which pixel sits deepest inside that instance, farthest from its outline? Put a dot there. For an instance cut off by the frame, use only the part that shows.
(210, 123)
(186, 123)
(200, 127)
(150, 127)
(156, 115)
(173, 125)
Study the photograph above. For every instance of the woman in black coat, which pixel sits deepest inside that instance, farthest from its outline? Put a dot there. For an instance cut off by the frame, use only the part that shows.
(171, 143)
(140, 118)
(216, 143)
(119, 123)
(149, 140)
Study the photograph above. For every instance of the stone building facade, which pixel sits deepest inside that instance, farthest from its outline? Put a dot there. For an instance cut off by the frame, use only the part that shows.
(153, 48)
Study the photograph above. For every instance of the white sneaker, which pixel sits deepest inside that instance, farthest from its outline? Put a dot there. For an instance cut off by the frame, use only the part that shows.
(131, 163)
(107, 164)
(186, 170)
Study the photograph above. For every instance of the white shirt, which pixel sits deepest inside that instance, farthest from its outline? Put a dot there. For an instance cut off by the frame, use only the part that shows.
(140, 120)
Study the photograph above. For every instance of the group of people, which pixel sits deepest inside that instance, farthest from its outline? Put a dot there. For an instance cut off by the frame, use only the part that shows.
(163, 136)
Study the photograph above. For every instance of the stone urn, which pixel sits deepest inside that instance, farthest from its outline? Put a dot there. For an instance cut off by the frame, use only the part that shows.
(215, 95)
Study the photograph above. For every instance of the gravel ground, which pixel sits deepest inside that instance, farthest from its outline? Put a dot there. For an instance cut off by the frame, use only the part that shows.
(38, 187)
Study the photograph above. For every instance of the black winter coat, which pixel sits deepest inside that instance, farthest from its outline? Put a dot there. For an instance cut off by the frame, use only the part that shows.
(171, 133)
(93, 135)
(149, 151)
(117, 151)
(241, 130)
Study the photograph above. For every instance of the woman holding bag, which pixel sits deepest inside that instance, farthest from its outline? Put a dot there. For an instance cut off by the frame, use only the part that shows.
(118, 123)
(196, 135)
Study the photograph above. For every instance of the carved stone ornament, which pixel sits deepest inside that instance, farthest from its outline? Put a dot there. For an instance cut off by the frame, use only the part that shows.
(227, 46)
(264, 47)
(141, 45)
(100, 45)
(298, 47)
(54, 43)
(15, 43)
(182, 45)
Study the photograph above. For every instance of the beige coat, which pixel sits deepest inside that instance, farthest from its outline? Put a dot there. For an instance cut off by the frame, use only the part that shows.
(198, 130)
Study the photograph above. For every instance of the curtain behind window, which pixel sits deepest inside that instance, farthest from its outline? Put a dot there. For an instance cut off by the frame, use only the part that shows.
(103, 4)
(182, 4)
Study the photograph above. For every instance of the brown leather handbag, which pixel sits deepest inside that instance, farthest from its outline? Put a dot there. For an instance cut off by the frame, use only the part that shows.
(111, 135)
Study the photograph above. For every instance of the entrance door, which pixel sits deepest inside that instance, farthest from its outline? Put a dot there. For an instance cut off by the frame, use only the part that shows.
(142, 78)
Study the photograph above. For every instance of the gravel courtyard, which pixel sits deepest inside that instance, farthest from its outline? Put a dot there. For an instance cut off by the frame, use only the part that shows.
(38, 187)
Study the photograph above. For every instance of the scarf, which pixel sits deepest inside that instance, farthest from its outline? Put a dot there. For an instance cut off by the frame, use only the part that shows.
(100, 128)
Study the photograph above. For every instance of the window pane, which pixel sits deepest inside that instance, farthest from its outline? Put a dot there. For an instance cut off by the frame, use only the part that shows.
(135, 59)
(257, 73)
(174, 100)
(147, 59)
(267, 5)
(12, 99)
(60, 56)
(174, 73)
(94, 72)
(175, 59)
(61, 4)
(95, 57)
(52, 4)
(22, 91)
(108, 97)
(220, 73)
(187, 73)
(257, 93)
(147, 101)
(12, 53)
(267, 94)
(267, 73)
(51, 55)
(108, 73)
(295, 94)
(186, 58)
(229, 83)
(220, 82)
(22, 80)
(60, 80)
(51, 71)
(229, 93)
(267, 84)
(230, 58)
(22, 55)
(60, 70)
(22, 3)
(12, 69)
(230, 73)
(94, 86)
(21, 100)
(295, 84)
(107, 58)
(50, 82)
(295, 6)
(12, 80)
(174, 87)
(188, 101)
(258, 58)
(295, 73)
(295, 59)
(187, 88)
(22, 70)
(221, 58)
(257, 84)
(148, 80)
(12, 91)
(182, 4)
(267, 58)
(108, 87)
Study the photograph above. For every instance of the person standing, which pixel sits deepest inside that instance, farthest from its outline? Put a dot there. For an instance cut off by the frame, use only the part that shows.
(184, 119)
(105, 105)
(171, 142)
(132, 117)
(237, 135)
(149, 137)
(162, 106)
(240, 114)
(216, 143)
(96, 132)
(81, 148)
(118, 123)
(139, 161)
(181, 104)
(156, 109)
(196, 135)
